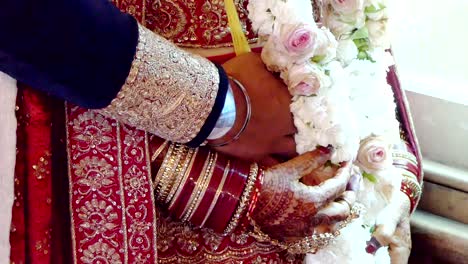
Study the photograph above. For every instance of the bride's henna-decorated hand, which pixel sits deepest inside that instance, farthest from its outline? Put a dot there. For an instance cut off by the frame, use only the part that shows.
(288, 210)
(393, 229)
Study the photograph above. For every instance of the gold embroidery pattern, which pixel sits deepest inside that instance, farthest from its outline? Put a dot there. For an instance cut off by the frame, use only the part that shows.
(196, 23)
(168, 92)
(92, 134)
(98, 218)
(181, 243)
(101, 252)
(118, 210)
(110, 191)
(193, 23)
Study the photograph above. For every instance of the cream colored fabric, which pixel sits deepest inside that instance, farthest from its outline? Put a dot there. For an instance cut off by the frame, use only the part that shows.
(8, 92)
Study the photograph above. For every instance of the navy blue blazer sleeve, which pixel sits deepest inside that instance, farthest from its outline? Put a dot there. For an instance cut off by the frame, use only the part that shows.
(77, 50)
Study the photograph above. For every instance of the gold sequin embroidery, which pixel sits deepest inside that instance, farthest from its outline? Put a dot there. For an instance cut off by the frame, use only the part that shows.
(169, 92)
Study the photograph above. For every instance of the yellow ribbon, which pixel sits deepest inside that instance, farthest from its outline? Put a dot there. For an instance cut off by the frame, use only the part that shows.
(241, 45)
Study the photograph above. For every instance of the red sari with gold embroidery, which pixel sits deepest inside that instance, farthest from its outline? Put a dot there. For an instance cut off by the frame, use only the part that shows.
(83, 182)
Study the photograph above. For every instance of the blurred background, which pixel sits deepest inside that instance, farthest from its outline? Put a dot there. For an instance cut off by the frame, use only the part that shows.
(430, 44)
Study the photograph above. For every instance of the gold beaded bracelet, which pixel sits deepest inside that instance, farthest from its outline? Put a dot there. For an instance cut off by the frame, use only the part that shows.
(182, 183)
(310, 244)
(180, 172)
(244, 200)
(166, 160)
(168, 178)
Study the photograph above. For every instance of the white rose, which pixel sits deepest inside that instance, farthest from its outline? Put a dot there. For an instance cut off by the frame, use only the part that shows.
(326, 45)
(378, 15)
(347, 6)
(303, 79)
(261, 17)
(378, 34)
(290, 43)
(274, 60)
(378, 9)
(344, 24)
(347, 51)
(374, 155)
(338, 27)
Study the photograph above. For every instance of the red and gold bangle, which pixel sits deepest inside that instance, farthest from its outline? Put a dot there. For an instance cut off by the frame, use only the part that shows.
(407, 167)
(412, 189)
(196, 186)
(182, 196)
(178, 188)
(229, 197)
(244, 200)
(159, 150)
(400, 155)
(206, 202)
(203, 186)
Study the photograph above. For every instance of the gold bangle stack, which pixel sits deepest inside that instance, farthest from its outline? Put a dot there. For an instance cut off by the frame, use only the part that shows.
(200, 187)
(170, 170)
(185, 175)
(157, 184)
(244, 200)
(183, 168)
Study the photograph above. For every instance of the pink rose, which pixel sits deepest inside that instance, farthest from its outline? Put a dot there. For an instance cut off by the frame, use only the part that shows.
(302, 79)
(374, 155)
(347, 6)
(299, 39)
(306, 89)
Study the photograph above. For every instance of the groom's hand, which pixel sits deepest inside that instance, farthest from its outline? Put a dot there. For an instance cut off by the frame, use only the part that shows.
(268, 138)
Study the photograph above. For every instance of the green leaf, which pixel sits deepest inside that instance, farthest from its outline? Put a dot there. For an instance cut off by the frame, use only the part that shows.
(362, 55)
(372, 230)
(361, 33)
(369, 177)
(318, 58)
(362, 44)
(374, 9)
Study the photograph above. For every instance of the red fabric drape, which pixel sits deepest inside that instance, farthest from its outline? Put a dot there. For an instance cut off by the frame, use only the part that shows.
(39, 232)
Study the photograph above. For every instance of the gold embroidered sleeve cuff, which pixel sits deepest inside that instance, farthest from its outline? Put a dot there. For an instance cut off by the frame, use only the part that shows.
(169, 92)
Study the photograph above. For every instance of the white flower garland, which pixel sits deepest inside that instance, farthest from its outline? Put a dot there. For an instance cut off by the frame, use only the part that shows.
(337, 76)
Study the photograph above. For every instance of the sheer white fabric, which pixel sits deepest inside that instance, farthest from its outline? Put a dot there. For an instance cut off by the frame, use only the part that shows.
(8, 92)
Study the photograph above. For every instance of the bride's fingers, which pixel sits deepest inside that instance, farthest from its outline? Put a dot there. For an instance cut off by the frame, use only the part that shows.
(354, 183)
(319, 175)
(390, 217)
(331, 214)
(400, 248)
(327, 191)
(304, 164)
